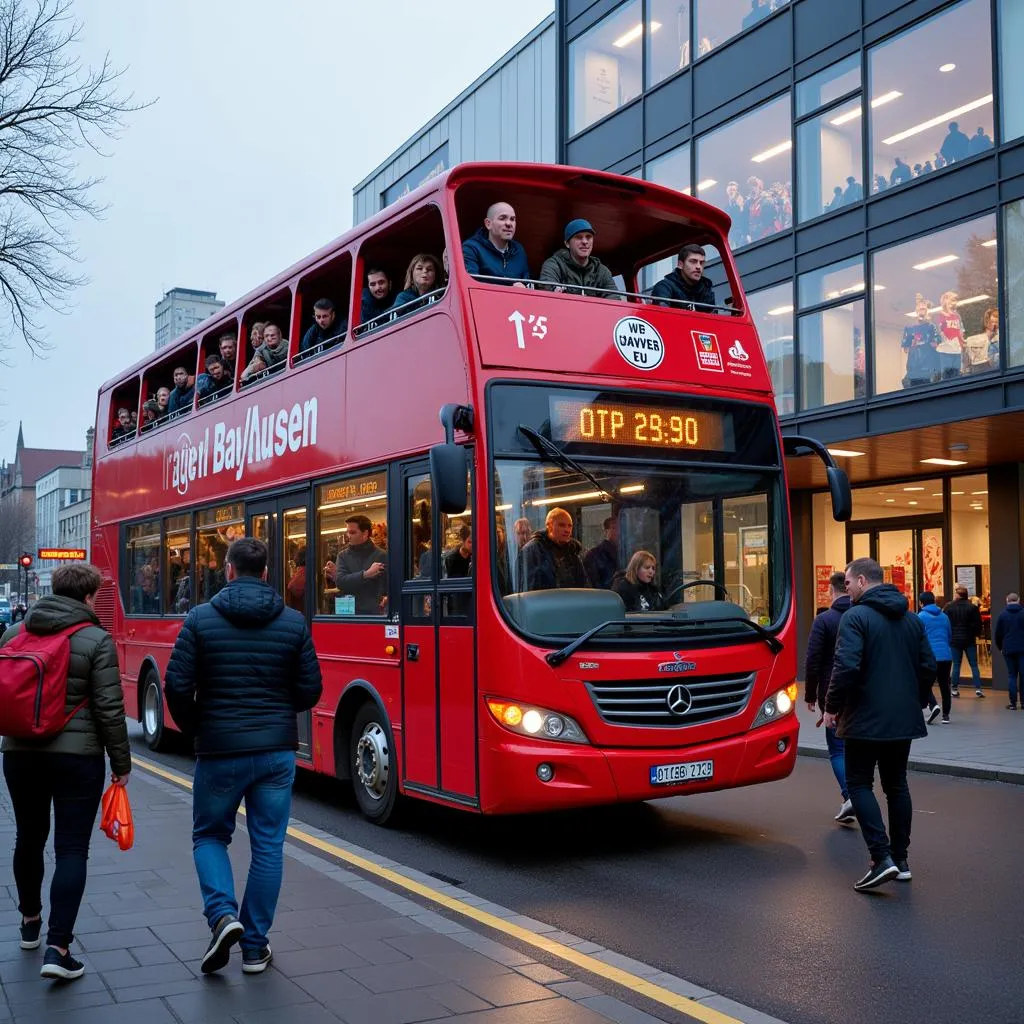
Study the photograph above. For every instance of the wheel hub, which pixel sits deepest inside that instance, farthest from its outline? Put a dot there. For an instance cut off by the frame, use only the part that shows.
(151, 709)
(372, 760)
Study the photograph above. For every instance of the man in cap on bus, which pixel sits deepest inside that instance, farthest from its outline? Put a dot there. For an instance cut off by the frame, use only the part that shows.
(492, 252)
(575, 268)
(687, 283)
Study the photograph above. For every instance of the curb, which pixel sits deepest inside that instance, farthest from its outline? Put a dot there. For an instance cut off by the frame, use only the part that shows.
(962, 771)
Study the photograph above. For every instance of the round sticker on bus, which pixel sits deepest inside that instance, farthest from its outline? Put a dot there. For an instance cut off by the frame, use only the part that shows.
(639, 343)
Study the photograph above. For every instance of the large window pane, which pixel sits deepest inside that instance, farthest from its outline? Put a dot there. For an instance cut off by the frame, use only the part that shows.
(216, 528)
(832, 355)
(931, 95)
(719, 20)
(605, 67)
(178, 563)
(671, 170)
(829, 161)
(772, 311)
(831, 282)
(930, 303)
(142, 553)
(744, 169)
(1014, 233)
(1011, 44)
(841, 78)
(668, 38)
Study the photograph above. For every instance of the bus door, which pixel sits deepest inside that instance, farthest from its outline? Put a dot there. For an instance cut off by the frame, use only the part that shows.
(438, 651)
(282, 524)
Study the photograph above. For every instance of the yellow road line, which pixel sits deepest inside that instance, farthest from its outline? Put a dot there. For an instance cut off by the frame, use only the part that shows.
(559, 950)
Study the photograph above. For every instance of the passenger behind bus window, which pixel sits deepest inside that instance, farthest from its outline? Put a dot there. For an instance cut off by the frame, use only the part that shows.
(602, 560)
(421, 278)
(687, 283)
(492, 250)
(272, 353)
(295, 592)
(377, 297)
(227, 345)
(216, 380)
(181, 397)
(575, 268)
(163, 398)
(552, 558)
(327, 328)
(361, 569)
(150, 413)
(458, 562)
(444, 264)
(636, 585)
(124, 429)
(256, 335)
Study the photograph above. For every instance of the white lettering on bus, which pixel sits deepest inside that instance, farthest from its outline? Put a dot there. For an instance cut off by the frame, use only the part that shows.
(236, 448)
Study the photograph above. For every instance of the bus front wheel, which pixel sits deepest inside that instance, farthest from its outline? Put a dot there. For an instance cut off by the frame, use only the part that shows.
(374, 769)
(153, 714)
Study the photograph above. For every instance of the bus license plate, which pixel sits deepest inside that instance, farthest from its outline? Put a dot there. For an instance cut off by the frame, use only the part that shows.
(688, 771)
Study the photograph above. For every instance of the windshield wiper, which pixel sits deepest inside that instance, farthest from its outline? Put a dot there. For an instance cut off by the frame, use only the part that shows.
(544, 447)
(559, 656)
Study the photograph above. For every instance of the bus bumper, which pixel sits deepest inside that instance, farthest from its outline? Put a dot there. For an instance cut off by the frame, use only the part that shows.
(584, 776)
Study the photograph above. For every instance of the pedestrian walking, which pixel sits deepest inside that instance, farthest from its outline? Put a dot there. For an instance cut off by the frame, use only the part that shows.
(821, 649)
(238, 690)
(65, 771)
(1009, 639)
(939, 631)
(884, 668)
(965, 619)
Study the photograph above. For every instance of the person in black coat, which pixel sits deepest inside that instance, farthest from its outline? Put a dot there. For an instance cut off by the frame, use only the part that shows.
(636, 586)
(821, 649)
(687, 283)
(965, 618)
(602, 560)
(551, 560)
(1008, 637)
(242, 668)
(881, 677)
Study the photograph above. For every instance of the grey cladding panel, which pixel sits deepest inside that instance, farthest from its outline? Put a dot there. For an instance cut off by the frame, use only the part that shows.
(820, 23)
(613, 140)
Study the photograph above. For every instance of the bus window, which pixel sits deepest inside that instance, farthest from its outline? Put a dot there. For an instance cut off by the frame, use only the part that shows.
(266, 326)
(352, 574)
(294, 552)
(216, 528)
(681, 287)
(170, 384)
(218, 354)
(178, 564)
(457, 561)
(322, 307)
(142, 561)
(124, 409)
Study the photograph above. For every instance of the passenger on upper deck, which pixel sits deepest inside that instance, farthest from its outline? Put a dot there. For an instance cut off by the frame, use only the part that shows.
(124, 428)
(552, 558)
(377, 297)
(256, 334)
(181, 396)
(163, 397)
(327, 327)
(150, 413)
(423, 276)
(687, 282)
(492, 251)
(575, 269)
(216, 379)
(273, 352)
(227, 345)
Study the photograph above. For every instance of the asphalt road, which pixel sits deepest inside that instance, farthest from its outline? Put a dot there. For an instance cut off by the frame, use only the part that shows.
(749, 892)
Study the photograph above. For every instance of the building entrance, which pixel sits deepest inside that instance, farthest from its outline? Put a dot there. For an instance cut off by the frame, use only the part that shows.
(909, 550)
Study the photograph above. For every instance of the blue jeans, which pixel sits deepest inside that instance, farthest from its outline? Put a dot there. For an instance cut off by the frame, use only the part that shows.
(837, 758)
(972, 660)
(1014, 677)
(265, 781)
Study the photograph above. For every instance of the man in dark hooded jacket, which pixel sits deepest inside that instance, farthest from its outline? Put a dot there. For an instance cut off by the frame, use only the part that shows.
(882, 674)
(492, 250)
(377, 297)
(687, 283)
(242, 668)
(1009, 638)
(551, 559)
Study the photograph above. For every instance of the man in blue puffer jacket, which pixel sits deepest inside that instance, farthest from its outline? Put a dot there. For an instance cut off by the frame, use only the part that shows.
(492, 250)
(939, 631)
(242, 668)
(1009, 638)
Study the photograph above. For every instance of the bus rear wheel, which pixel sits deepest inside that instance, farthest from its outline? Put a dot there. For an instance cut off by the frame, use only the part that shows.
(153, 731)
(374, 768)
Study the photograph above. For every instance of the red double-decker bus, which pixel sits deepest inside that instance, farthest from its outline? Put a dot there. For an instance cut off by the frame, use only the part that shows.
(465, 496)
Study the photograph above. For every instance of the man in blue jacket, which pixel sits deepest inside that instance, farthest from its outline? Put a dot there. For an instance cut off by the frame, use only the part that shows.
(940, 634)
(492, 250)
(821, 649)
(1009, 638)
(376, 298)
(238, 690)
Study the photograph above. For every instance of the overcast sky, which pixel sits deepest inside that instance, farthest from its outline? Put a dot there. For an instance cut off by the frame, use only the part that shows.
(266, 116)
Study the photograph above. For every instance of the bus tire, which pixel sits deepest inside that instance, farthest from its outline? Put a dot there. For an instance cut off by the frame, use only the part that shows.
(374, 767)
(152, 714)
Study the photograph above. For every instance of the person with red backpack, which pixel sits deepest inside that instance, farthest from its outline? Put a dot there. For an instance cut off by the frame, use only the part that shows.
(61, 708)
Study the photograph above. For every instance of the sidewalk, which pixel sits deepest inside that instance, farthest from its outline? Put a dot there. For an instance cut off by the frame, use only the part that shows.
(983, 740)
(346, 948)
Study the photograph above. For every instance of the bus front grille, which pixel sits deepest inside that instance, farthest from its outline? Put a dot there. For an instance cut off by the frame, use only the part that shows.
(671, 702)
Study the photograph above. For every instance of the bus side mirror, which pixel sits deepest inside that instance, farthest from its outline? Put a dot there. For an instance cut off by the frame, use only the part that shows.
(449, 477)
(842, 496)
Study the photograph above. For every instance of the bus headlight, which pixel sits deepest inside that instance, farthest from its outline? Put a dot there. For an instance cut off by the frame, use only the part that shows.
(777, 705)
(528, 720)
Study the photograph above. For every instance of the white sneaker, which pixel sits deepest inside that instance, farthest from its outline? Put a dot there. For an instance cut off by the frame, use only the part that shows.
(934, 713)
(846, 815)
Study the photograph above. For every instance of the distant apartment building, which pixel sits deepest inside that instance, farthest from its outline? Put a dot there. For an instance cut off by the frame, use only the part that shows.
(180, 309)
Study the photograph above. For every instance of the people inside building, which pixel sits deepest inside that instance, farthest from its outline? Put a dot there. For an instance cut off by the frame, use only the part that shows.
(602, 560)
(361, 569)
(901, 172)
(124, 429)
(423, 276)
(979, 142)
(981, 351)
(216, 380)
(687, 283)
(575, 268)
(920, 341)
(951, 345)
(227, 345)
(552, 558)
(180, 399)
(272, 353)
(636, 585)
(326, 329)
(955, 145)
(854, 191)
(376, 297)
(492, 251)
(736, 207)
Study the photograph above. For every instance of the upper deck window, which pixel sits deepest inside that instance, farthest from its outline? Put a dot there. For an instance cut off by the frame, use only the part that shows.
(217, 358)
(322, 307)
(168, 388)
(267, 325)
(124, 409)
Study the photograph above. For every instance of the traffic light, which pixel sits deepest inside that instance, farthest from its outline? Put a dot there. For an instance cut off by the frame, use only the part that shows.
(25, 562)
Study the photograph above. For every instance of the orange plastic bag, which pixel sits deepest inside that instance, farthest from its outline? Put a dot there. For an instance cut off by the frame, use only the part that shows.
(116, 819)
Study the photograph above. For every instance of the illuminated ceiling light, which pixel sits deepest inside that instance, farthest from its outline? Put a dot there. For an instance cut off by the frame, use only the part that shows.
(886, 97)
(944, 68)
(978, 492)
(706, 183)
(634, 34)
(582, 496)
(632, 489)
(956, 494)
(782, 147)
(913, 488)
(936, 494)
(845, 118)
(944, 462)
(780, 310)
(943, 119)
(502, 508)
(990, 243)
(911, 502)
(937, 262)
(890, 501)
(843, 453)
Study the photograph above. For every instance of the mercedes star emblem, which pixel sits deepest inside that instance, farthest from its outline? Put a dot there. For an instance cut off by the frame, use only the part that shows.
(679, 700)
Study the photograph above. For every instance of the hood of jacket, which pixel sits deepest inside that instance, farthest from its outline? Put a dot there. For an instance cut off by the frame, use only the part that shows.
(1014, 609)
(887, 599)
(52, 614)
(841, 603)
(248, 602)
(931, 609)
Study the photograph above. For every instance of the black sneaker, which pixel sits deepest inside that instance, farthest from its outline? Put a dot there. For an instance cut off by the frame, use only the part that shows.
(62, 966)
(1009, 707)
(934, 713)
(884, 871)
(904, 875)
(226, 932)
(256, 960)
(955, 692)
(30, 934)
(979, 693)
(945, 719)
